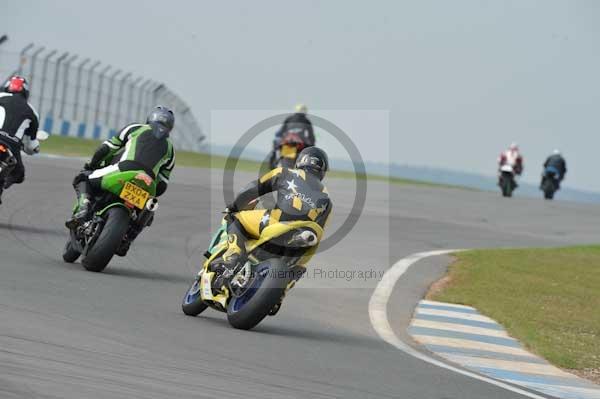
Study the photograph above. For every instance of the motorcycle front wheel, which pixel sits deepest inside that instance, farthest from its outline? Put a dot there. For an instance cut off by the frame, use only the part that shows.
(506, 185)
(70, 254)
(192, 304)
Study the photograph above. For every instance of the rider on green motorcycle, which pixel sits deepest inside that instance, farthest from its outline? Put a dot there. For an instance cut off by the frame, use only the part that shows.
(300, 196)
(144, 147)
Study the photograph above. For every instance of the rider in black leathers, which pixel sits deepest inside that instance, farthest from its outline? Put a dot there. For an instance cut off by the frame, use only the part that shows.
(301, 195)
(296, 120)
(19, 123)
(557, 162)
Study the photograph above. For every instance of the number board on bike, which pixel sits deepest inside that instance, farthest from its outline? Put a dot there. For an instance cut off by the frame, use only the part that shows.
(134, 195)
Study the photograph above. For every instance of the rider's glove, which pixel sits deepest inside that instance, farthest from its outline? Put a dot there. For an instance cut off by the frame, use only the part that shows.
(88, 166)
(228, 214)
(230, 209)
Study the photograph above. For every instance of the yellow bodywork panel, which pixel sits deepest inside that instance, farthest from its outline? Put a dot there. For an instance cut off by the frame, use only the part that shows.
(277, 229)
(289, 151)
(273, 230)
(206, 290)
(251, 221)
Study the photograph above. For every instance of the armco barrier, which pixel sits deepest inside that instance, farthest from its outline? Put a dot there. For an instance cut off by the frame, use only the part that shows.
(81, 98)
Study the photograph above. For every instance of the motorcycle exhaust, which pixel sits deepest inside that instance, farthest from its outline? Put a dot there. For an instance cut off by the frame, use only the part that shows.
(306, 238)
(152, 204)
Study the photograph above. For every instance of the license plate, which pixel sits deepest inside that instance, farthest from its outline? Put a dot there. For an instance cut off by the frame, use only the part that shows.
(134, 195)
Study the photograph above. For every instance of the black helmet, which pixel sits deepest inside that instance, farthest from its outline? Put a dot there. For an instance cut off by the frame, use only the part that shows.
(17, 85)
(161, 118)
(314, 160)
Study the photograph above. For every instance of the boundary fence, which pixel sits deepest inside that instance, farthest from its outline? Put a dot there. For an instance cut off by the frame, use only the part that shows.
(81, 97)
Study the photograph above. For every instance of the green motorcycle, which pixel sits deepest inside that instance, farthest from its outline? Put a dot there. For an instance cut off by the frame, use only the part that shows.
(119, 214)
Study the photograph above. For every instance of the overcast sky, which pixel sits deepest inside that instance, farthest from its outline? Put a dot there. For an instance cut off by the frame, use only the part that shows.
(460, 79)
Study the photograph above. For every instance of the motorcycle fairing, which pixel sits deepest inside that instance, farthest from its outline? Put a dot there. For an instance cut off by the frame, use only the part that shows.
(268, 233)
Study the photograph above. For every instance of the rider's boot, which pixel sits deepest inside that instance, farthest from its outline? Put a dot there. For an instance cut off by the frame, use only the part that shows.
(83, 206)
(227, 263)
(234, 252)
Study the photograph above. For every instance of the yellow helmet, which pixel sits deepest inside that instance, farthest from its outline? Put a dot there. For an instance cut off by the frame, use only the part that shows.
(301, 109)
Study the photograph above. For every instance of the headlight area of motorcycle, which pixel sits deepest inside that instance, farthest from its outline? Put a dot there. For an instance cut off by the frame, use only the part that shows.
(303, 238)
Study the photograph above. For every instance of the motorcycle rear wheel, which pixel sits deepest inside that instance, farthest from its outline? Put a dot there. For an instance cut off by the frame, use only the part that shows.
(115, 228)
(266, 291)
(548, 188)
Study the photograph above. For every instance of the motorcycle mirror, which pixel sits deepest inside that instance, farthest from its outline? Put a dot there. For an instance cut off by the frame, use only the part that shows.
(42, 135)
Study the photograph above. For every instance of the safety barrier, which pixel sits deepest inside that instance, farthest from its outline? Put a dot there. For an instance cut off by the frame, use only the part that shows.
(79, 97)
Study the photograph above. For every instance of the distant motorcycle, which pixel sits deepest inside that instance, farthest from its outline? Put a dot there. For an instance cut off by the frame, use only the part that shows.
(8, 160)
(550, 182)
(290, 146)
(506, 180)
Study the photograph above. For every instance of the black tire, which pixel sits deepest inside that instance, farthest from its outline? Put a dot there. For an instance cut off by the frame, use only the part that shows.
(548, 188)
(115, 227)
(70, 254)
(195, 307)
(507, 185)
(266, 297)
(506, 189)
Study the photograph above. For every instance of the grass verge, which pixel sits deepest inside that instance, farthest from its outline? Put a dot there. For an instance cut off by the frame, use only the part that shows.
(71, 146)
(549, 299)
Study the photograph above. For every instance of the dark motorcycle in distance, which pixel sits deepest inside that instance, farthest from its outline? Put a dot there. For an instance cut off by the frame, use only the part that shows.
(550, 182)
(290, 146)
(506, 180)
(7, 162)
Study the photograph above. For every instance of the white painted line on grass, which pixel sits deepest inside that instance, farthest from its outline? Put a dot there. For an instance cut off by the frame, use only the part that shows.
(381, 324)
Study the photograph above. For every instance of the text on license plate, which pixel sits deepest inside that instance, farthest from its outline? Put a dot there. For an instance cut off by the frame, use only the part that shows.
(135, 195)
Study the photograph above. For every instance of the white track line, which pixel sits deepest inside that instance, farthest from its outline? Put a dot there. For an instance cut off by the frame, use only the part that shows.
(381, 324)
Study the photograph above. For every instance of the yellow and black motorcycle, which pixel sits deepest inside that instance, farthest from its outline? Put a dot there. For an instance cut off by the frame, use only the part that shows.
(256, 287)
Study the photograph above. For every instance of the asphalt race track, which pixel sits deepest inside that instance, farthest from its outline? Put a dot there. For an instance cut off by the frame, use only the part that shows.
(69, 333)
